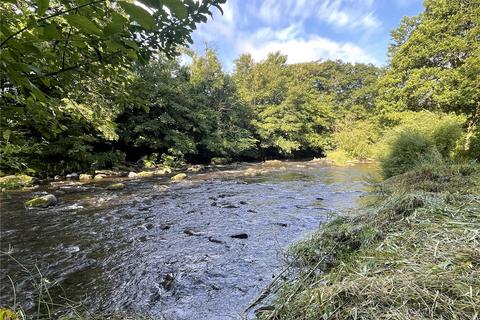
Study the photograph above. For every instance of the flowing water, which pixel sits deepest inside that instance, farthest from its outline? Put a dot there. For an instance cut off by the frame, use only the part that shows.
(166, 249)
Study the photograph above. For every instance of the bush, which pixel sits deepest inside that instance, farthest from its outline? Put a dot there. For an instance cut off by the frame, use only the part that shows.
(447, 135)
(356, 139)
(339, 157)
(409, 148)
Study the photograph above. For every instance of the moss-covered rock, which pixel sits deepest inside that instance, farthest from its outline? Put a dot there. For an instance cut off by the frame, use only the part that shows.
(15, 181)
(179, 177)
(145, 174)
(219, 161)
(116, 186)
(163, 171)
(196, 168)
(42, 202)
(85, 176)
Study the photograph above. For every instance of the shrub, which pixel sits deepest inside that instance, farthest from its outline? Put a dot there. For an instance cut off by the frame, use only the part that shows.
(409, 148)
(339, 157)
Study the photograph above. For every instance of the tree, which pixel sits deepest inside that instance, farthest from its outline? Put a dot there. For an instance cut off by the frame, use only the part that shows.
(65, 67)
(435, 61)
(231, 134)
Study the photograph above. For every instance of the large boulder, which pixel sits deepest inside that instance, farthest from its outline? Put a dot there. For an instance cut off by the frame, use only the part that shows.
(15, 181)
(179, 177)
(42, 202)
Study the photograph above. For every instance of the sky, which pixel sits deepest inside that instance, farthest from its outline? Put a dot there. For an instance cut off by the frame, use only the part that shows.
(304, 30)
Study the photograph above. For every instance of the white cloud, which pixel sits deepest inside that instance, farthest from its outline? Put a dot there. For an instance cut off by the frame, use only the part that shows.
(298, 49)
(262, 27)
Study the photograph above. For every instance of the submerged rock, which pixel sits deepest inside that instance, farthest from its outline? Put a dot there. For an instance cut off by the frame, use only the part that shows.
(16, 181)
(85, 176)
(160, 188)
(212, 239)
(191, 232)
(239, 236)
(116, 186)
(179, 177)
(250, 172)
(42, 202)
(272, 162)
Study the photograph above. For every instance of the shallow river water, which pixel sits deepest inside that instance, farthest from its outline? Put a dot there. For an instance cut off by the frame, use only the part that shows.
(166, 249)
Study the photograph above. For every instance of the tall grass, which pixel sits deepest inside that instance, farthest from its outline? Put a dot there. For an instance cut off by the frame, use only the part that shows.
(414, 254)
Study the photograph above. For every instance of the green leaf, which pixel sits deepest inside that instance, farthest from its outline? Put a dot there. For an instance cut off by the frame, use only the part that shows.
(42, 6)
(49, 32)
(83, 24)
(177, 8)
(140, 15)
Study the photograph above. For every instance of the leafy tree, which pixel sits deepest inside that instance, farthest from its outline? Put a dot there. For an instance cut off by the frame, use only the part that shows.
(65, 67)
(435, 61)
(231, 134)
(164, 116)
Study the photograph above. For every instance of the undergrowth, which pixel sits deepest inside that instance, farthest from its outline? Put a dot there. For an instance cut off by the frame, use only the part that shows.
(414, 254)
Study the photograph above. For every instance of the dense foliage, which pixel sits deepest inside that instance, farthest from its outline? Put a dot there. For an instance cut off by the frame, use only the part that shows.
(89, 85)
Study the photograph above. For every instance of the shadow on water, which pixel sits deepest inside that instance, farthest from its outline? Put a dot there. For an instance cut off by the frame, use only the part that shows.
(199, 249)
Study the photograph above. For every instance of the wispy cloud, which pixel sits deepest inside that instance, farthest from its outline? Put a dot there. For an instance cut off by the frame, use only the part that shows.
(299, 48)
(305, 30)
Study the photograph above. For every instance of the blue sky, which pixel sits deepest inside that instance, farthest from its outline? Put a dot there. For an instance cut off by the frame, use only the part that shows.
(305, 30)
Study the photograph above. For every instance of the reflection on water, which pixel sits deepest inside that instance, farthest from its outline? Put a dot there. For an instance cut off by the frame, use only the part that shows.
(169, 252)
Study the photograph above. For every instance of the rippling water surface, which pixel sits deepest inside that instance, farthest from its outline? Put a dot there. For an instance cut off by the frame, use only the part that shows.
(168, 252)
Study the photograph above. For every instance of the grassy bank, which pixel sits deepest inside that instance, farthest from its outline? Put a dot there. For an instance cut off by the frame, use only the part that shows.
(414, 254)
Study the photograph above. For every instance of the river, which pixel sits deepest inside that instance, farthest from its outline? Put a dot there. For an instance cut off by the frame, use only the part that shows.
(166, 249)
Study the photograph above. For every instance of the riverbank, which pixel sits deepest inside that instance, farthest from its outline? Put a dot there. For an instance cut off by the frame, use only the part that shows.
(414, 254)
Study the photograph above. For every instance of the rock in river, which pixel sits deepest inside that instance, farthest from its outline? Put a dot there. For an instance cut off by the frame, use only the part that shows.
(116, 186)
(191, 232)
(85, 176)
(179, 177)
(72, 176)
(42, 202)
(239, 236)
(145, 174)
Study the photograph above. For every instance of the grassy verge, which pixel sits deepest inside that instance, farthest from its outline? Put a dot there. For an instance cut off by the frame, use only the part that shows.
(414, 254)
